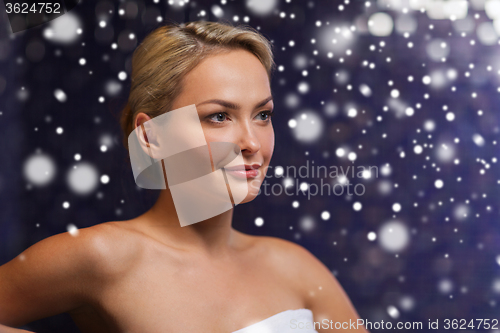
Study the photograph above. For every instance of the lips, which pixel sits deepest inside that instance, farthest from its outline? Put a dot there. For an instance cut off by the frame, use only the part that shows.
(244, 170)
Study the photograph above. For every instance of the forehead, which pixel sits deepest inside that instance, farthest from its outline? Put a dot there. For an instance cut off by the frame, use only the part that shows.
(237, 76)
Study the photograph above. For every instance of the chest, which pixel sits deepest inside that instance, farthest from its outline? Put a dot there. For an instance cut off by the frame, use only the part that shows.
(196, 296)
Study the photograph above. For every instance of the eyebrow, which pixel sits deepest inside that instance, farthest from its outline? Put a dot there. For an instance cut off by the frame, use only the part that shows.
(235, 106)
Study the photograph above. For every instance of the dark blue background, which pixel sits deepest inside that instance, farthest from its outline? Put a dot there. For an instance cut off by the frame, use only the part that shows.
(373, 277)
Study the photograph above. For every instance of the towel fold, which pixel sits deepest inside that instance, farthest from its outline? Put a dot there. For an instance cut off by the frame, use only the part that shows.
(289, 321)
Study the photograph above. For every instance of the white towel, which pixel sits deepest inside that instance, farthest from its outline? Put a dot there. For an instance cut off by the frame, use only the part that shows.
(289, 321)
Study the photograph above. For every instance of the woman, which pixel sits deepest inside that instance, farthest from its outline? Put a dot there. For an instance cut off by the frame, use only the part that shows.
(150, 274)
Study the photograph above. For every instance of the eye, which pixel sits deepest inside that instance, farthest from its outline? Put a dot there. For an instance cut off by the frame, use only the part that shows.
(218, 117)
(265, 115)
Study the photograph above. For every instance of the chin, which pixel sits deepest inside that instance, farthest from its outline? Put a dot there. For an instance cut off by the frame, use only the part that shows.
(253, 191)
(248, 198)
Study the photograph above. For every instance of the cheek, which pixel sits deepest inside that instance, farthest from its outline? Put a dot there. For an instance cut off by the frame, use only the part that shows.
(211, 135)
(224, 133)
(267, 144)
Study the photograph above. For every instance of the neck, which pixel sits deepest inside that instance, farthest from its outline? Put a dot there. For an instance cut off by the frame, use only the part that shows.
(214, 236)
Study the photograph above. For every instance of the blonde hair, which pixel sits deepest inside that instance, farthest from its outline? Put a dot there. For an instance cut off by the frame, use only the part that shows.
(169, 52)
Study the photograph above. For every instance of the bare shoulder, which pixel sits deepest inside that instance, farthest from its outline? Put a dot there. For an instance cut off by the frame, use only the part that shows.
(93, 249)
(60, 273)
(289, 258)
(110, 246)
(321, 291)
(300, 262)
(284, 251)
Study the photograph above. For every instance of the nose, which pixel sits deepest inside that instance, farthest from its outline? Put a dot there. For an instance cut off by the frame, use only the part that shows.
(247, 139)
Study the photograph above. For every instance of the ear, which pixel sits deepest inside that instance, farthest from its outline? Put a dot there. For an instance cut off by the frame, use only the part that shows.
(148, 172)
(140, 119)
(148, 140)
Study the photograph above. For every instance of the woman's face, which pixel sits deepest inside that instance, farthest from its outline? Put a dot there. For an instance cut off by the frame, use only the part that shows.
(233, 98)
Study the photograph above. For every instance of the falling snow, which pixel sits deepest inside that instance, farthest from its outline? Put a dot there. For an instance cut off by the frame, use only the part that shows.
(409, 88)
